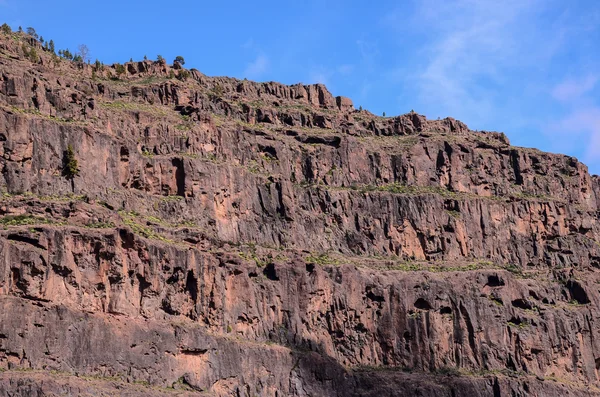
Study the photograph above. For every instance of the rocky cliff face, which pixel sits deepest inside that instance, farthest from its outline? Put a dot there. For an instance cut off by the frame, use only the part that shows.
(234, 238)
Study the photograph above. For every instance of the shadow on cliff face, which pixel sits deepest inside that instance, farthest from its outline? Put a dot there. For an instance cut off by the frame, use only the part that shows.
(317, 375)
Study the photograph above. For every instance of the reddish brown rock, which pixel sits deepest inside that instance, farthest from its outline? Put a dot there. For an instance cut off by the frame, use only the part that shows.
(239, 238)
(344, 104)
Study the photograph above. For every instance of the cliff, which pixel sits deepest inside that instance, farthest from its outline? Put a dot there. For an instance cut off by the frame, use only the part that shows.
(233, 238)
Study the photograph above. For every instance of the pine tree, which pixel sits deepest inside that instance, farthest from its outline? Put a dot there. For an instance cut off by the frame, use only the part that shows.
(31, 31)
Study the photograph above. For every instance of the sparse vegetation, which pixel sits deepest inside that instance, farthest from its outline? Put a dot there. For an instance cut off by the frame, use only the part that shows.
(520, 324)
(20, 220)
(130, 218)
(100, 225)
(321, 259)
(183, 75)
(147, 153)
(216, 92)
(496, 301)
(453, 213)
(119, 69)
(30, 53)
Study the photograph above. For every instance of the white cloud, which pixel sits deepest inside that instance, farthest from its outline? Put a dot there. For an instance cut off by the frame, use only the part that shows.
(318, 77)
(573, 89)
(249, 44)
(473, 41)
(585, 124)
(369, 52)
(345, 69)
(257, 67)
(580, 127)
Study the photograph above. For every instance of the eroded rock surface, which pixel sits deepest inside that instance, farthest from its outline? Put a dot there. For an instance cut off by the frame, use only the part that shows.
(233, 238)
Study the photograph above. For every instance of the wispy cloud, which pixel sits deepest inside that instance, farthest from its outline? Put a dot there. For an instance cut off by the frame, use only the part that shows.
(582, 119)
(257, 67)
(494, 64)
(319, 77)
(585, 124)
(472, 46)
(260, 65)
(574, 88)
(369, 52)
(345, 69)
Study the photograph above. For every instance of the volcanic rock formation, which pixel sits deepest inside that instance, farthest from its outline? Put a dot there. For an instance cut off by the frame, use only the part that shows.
(232, 238)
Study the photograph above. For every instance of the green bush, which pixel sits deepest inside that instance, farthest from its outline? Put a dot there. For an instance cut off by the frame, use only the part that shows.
(120, 69)
(30, 53)
(180, 59)
(6, 29)
(70, 164)
(184, 75)
(216, 92)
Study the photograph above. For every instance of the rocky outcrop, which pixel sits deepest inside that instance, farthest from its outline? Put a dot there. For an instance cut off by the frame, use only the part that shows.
(239, 238)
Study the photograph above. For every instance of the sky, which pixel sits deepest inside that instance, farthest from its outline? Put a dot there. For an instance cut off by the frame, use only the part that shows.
(529, 68)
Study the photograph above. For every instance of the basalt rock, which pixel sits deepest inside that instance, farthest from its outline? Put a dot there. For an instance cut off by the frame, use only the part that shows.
(233, 238)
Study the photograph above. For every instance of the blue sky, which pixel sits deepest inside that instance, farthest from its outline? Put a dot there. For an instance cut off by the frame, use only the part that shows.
(530, 68)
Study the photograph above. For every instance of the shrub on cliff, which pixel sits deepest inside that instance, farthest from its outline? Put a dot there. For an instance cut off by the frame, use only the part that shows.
(30, 53)
(6, 29)
(120, 69)
(70, 164)
(180, 60)
(183, 75)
